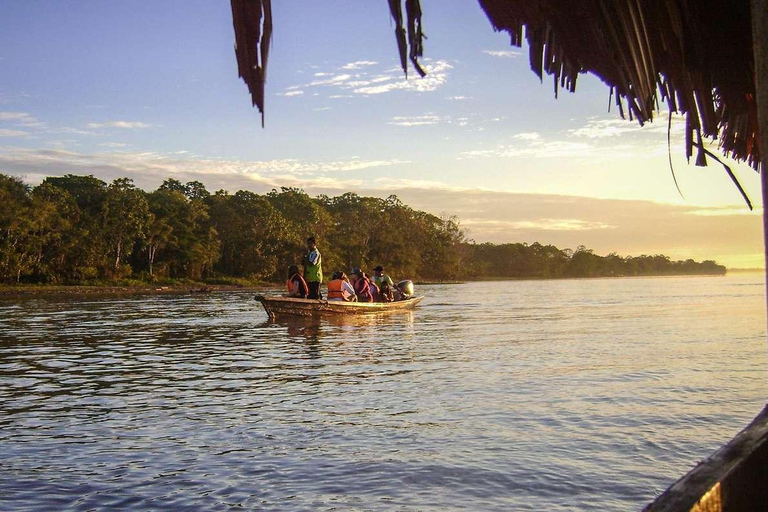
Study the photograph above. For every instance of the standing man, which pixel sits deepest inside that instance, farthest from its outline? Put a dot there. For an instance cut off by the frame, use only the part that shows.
(313, 269)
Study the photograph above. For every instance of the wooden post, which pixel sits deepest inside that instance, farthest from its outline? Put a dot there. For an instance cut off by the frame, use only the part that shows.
(760, 51)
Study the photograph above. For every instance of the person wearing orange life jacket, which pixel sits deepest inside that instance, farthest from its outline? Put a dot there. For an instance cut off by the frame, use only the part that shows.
(296, 285)
(340, 289)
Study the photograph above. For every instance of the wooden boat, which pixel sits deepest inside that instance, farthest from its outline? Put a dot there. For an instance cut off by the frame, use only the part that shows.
(276, 305)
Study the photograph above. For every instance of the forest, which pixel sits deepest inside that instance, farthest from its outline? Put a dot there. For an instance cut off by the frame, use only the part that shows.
(81, 230)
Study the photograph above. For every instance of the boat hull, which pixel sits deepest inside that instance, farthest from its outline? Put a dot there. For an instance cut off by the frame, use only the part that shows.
(312, 307)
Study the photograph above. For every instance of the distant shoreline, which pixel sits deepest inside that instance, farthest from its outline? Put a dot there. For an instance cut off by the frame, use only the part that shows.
(7, 292)
(13, 291)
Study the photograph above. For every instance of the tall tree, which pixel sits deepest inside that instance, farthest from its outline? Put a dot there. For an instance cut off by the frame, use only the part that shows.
(124, 217)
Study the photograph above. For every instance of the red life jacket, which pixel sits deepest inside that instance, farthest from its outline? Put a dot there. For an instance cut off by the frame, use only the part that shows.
(363, 290)
(334, 289)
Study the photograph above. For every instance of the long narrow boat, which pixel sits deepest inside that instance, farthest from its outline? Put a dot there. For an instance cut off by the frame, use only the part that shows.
(276, 305)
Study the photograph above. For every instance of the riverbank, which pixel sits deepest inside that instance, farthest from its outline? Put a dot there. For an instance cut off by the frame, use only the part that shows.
(9, 292)
(185, 287)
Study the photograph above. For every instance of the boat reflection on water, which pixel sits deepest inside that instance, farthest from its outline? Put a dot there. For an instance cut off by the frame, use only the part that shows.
(340, 329)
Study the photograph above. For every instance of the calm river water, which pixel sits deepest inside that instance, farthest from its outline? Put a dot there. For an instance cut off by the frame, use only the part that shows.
(527, 395)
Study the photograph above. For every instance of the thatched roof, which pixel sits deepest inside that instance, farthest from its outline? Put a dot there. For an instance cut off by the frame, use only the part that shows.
(695, 56)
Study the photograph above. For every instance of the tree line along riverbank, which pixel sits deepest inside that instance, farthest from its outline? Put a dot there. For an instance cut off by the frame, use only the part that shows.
(81, 230)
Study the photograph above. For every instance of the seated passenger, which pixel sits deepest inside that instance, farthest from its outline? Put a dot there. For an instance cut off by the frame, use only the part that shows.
(296, 285)
(385, 293)
(375, 292)
(362, 286)
(340, 289)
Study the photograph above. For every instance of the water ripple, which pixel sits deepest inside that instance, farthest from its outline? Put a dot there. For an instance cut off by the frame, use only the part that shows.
(545, 395)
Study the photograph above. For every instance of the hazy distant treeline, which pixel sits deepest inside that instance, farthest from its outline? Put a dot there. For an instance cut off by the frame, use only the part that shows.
(76, 229)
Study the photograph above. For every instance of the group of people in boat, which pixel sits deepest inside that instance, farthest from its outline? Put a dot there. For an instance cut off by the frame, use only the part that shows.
(355, 287)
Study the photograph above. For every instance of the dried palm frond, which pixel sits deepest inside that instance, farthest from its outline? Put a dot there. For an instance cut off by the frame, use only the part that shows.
(696, 56)
(415, 35)
(253, 31)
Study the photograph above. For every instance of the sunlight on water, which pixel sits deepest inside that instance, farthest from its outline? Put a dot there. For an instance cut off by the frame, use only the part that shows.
(540, 395)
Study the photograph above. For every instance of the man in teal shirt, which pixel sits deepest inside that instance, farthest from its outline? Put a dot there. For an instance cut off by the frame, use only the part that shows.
(313, 269)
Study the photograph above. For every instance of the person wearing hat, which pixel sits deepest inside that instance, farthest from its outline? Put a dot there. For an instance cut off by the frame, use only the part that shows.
(379, 277)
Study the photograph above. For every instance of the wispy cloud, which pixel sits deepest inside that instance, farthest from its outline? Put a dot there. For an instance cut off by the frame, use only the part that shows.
(506, 54)
(427, 119)
(721, 211)
(20, 119)
(405, 183)
(366, 78)
(535, 148)
(527, 136)
(599, 128)
(148, 168)
(359, 64)
(12, 133)
(539, 224)
(123, 125)
(70, 130)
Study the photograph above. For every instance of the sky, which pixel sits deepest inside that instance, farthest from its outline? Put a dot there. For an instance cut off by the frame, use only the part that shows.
(149, 90)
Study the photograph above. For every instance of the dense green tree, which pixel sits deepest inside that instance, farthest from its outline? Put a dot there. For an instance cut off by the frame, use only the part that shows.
(17, 243)
(83, 260)
(180, 239)
(124, 217)
(78, 228)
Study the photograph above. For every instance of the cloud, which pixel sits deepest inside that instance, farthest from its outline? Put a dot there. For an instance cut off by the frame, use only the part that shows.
(506, 54)
(359, 64)
(390, 184)
(539, 224)
(365, 78)
(535, 148)
(123, 125)
(148, 169)
(430, 119)
(599, 128)
(527, 136)
(69, 130)
(19, 119)
(12, 133)
(720, 211)
(113, 145)
(426, 119)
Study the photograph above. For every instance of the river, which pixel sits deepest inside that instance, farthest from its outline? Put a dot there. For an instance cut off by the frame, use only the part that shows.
(587, 394)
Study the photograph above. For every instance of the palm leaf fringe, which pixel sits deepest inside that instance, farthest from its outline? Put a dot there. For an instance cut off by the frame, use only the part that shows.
(696, 56)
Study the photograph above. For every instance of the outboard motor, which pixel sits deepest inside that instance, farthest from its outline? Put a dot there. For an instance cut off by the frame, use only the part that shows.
(406, 288)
